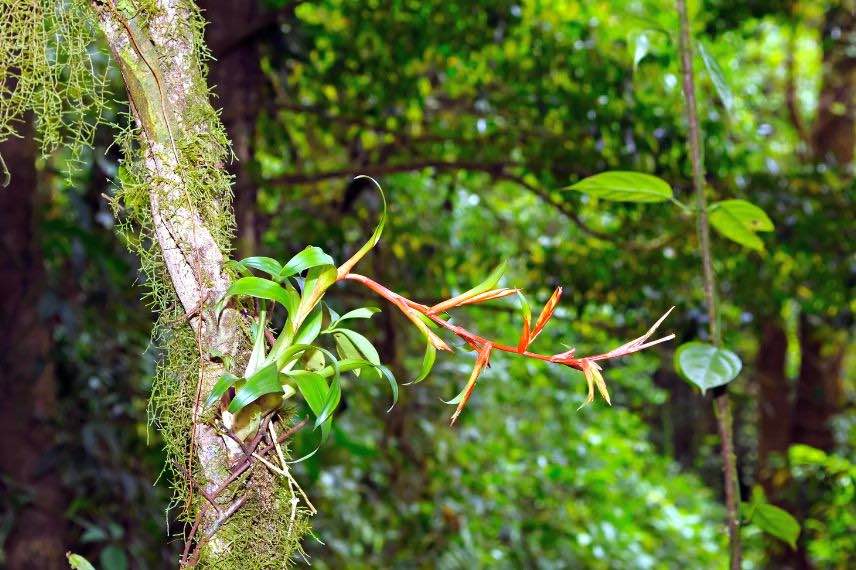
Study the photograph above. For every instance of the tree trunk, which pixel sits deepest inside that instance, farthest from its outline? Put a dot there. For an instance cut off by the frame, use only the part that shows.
(238, 80)
(27, 407)
(834, 136)
(819, 386)
(164, 76)
(774, 407)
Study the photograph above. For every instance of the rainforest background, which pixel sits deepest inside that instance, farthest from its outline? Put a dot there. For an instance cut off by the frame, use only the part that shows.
(475, 116)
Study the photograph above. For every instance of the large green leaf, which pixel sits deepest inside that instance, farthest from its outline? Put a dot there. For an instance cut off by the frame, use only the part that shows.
(625, 186)
(311, 327)
(262, 289)
(265, 381)
(310, 257)
(776, 522)
(707, 366)
(738, 220)
(715, 72)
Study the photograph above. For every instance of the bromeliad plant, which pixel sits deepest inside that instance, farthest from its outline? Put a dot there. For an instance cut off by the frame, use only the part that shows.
(294, 361)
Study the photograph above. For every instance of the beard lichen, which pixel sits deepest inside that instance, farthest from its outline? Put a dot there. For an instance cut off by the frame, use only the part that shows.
(54, 67)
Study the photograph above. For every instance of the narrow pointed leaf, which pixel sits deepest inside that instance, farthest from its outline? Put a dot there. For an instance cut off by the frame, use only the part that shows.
(481, 361)
(257, 356)
(361, 343)
(225, 382)
(526, 313)
(715, 72)
(265, 381)
(361, 313)
(346, 267)
(489, 283)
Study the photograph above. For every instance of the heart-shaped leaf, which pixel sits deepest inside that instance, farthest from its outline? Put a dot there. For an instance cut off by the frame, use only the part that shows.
(738, 220)
(707, 366)
(625, 186)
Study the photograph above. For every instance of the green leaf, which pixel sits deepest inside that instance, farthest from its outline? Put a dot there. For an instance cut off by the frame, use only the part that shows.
(776, 522)
(427, 364)
(346, 267)
(361, 313)
(262, 289)
(317, 281)
(265, 381)
(334, 395)
(257, 356)
(225, 382)
(705, 365)
(113, 558)
(313, 387)
(310, 257)
(311, 327)
(78, 562)
(715, 72)
(738, 220)
(489, 282)
(625, 186)
(393, 385)
(363, 345)
(267, 264)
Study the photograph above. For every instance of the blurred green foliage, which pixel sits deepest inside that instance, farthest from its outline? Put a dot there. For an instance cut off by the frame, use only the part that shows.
(475, 116)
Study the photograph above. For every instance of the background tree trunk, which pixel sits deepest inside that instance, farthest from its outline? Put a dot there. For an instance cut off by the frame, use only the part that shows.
(28, 382)
(774, 405)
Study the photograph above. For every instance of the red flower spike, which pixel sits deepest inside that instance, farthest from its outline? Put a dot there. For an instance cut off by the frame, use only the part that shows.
(481, 361)
(587, 365)
(546, 314)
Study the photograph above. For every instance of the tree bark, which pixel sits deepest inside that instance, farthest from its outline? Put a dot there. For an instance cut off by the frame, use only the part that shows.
(162, 92)
(28, 382)
(834, 136)
(774, 407)
(819, 386)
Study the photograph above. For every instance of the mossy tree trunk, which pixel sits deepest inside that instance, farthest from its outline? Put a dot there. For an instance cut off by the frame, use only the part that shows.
(164, 75)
